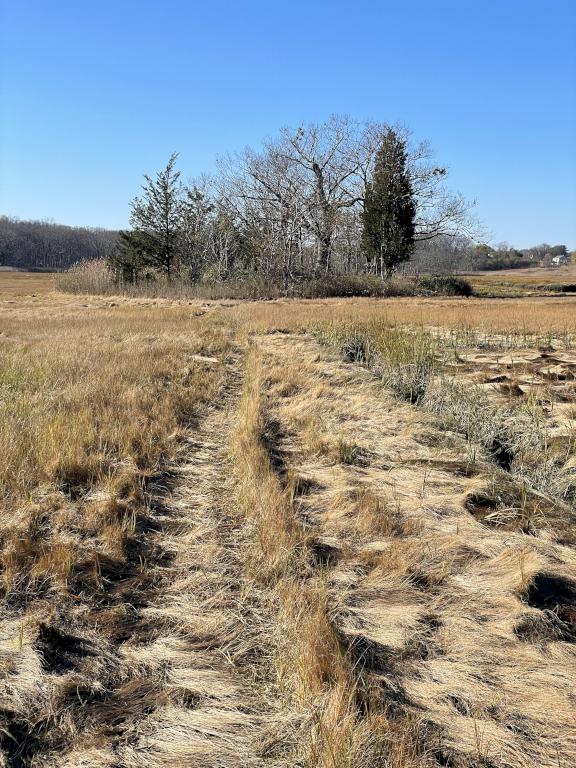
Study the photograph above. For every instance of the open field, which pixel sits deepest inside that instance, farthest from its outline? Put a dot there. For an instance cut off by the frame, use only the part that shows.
(333, 533)
(525, 282)
(13, 283)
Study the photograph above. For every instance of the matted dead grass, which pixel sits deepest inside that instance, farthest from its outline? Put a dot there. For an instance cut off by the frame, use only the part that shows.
(465, 631)
(102, 663)
(327, 715)
(222, 545)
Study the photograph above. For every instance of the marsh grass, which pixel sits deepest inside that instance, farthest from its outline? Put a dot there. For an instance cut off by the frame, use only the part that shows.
(98, 398)
(319, 682)
(348, 452)
(412, 364)
(98, 402)
(405, 361)
(88, 414)
(266, 503)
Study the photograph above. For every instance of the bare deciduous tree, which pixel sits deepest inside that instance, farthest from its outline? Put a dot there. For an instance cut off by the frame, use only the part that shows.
(308, 184)
(294, 207)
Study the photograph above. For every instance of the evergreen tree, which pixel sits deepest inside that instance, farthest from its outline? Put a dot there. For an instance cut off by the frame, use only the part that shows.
(158, 213)
(389, 208)
(135, 250)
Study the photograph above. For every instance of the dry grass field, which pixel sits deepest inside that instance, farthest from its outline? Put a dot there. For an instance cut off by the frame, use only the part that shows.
(526, 282)
(325, 533)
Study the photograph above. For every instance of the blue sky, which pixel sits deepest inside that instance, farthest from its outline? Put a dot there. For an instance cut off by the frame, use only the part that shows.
(93, 94)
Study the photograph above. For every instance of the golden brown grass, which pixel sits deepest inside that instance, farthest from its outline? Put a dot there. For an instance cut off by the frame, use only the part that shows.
(465, 323)
(539, 316)
(14, 283)
(529, 275)
(280, 540)
(90, 407)
(333, 594)
(433, 609)
(95, 407)
(341, 722)
(312, 673)
(528, 281)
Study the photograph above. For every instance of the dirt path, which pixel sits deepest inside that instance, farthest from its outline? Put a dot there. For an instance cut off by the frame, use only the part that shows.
(465, 628)
(154, 667)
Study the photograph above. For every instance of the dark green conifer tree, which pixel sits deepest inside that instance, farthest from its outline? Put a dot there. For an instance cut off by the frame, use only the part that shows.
(158, 213)
(389, 208)
(134, 251)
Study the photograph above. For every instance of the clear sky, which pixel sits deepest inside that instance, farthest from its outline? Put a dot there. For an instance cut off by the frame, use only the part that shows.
(93, 94)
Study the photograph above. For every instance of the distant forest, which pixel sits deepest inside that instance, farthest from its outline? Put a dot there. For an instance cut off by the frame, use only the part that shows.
(39, 245)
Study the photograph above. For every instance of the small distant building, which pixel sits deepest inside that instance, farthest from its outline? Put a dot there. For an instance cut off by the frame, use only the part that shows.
(560, 260)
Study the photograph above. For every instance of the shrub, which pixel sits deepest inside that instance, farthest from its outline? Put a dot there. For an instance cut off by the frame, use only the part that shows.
(445, 285)
(88, 277)
(96, 277)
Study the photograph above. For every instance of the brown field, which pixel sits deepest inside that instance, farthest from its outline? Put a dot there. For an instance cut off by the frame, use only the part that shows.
(26, 283)
(536, 275)
(525, 282)
(325, 533)
(538, 317)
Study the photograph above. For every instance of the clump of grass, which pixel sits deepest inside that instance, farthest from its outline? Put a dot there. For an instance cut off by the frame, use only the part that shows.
(410, 364)
(405, 361)
(374, 515)
(348, 453)
(356, 349)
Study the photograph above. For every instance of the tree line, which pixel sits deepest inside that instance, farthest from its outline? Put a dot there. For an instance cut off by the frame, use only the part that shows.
(41, 245)
(460, 254)
(334, 198)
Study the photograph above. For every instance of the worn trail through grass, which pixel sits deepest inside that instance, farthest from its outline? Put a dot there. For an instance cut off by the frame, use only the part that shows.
(320, 577)
(153, 669)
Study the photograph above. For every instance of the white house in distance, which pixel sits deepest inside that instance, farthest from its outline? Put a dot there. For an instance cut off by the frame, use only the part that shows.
(560, 260)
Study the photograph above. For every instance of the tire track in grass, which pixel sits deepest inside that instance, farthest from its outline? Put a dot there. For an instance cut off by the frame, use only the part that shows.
(153, 666)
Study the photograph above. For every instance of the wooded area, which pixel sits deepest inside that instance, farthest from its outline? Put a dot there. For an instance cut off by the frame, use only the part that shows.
(40, 245)
(339, 197)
